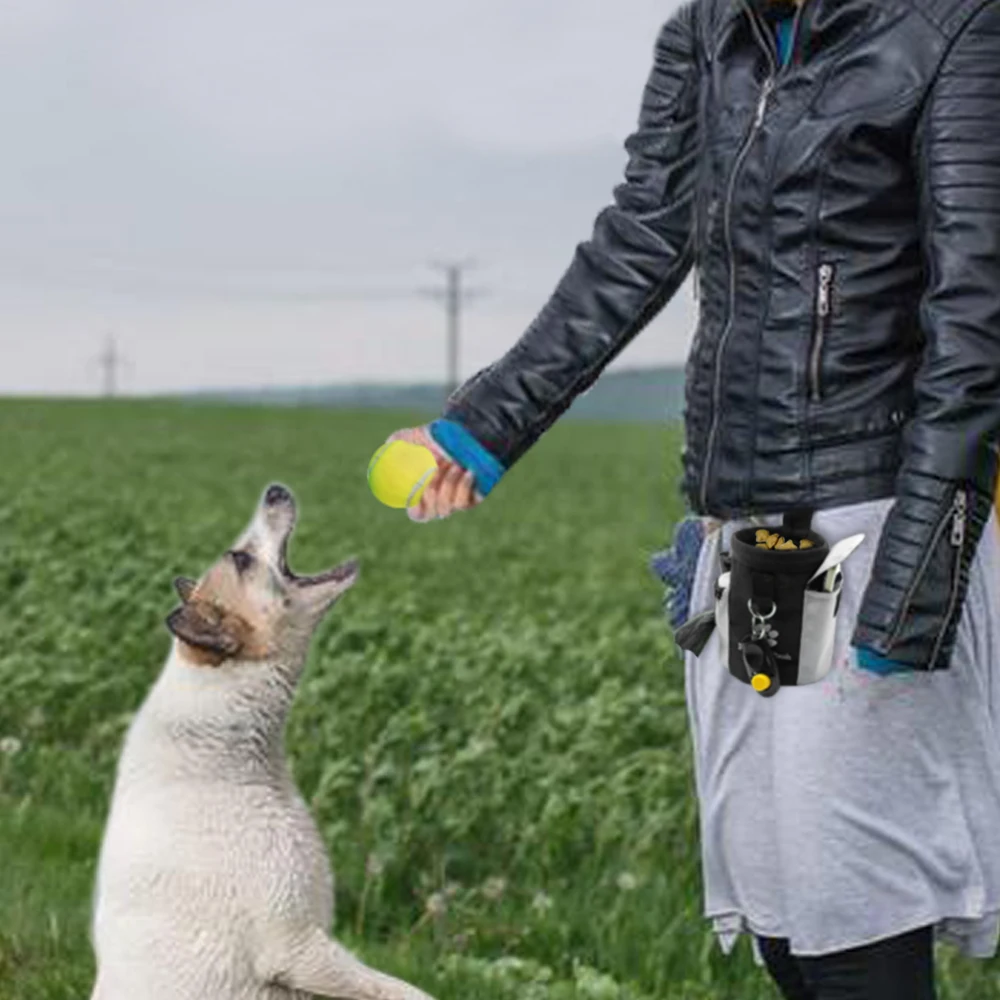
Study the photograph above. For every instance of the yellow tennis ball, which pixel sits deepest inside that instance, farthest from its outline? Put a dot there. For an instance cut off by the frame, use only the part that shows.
(399, 472)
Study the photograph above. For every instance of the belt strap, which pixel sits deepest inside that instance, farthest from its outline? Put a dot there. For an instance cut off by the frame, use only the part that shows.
(798, 519)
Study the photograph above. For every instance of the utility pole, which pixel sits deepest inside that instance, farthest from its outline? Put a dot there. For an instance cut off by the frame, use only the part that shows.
(110, 360)
(454, 295)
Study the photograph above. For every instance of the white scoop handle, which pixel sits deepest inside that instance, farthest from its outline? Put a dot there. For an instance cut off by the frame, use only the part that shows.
(838, 554)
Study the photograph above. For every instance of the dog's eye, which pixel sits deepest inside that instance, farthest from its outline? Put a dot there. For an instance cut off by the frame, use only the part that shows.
(242, 561)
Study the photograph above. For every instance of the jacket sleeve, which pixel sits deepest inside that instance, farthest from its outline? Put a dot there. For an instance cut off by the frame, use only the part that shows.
(636, 258)
(948, 474)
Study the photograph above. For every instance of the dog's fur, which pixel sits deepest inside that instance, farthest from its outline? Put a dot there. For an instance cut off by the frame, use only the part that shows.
(213, 882)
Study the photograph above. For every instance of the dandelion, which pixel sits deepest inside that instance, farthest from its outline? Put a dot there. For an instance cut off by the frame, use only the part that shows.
(627, 882)
(435, 907)
(374, 866)
(541, 903)
(10, 745)
(494, 888)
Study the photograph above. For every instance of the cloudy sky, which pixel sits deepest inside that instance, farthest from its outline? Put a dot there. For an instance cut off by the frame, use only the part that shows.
(251, 192)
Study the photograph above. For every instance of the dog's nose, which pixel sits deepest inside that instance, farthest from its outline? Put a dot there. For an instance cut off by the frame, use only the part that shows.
(276, 494)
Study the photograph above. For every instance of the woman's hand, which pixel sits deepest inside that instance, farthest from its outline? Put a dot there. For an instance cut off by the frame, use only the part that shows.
(450, 489)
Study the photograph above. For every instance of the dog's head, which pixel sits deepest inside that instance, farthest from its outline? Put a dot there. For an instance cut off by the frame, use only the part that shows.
(249, 605)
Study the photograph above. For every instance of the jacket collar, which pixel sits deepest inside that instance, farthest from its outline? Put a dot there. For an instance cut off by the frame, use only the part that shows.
(742, 8)
(823, 22)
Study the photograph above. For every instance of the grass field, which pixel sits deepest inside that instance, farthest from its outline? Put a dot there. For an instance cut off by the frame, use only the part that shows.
(491, 731)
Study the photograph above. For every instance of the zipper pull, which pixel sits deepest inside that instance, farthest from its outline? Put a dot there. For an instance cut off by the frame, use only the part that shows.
(696, 289)
(958, 521)
(765, 93)
(825, 280)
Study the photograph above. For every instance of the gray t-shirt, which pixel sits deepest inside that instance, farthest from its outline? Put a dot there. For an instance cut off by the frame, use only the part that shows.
(856, 808)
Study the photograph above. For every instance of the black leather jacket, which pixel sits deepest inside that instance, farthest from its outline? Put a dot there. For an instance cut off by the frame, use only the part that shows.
(843, 215)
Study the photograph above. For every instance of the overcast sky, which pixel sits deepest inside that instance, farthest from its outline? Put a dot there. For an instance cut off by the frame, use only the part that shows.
(247, 192)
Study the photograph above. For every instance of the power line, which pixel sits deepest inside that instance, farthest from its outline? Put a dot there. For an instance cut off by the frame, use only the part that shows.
(454, 295)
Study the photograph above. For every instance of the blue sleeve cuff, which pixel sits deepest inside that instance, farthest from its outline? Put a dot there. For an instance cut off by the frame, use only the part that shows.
(876, 664)
(468, 453)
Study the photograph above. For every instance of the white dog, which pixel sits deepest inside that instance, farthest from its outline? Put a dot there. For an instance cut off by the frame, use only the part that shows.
(213, 881)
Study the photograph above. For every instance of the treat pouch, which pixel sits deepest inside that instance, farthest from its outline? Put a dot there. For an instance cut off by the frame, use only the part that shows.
(773, 615)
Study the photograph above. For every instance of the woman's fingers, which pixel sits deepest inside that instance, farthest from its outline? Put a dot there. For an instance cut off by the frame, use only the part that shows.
(422, 510)
(448, 498)
(450, 489)
(440, 489)
(465, 493)
(427, 507)
(419, 511)
(462, 493)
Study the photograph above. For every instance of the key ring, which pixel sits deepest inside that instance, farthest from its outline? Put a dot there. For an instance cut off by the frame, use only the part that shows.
(757, 615)
(758, 625)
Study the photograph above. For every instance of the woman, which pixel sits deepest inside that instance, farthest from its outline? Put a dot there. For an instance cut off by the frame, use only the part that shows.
(832, 173)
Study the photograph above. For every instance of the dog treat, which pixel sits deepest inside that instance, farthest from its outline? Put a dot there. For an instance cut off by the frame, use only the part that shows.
(772, 540)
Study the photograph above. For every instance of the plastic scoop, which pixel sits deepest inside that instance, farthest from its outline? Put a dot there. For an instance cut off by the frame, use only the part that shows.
(837, 554)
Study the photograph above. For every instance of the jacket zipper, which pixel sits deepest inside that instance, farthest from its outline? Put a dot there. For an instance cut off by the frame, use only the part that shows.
(957, 540)
(709, 219)
(822, 319)
(765, 93)
(726, 225)
(956, 513)
(696, 240)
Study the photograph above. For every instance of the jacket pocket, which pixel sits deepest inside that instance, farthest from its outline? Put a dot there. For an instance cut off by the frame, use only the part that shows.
(821, 321)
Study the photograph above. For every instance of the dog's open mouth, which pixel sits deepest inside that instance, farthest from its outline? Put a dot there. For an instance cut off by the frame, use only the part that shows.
(336, 575)
(339, 573)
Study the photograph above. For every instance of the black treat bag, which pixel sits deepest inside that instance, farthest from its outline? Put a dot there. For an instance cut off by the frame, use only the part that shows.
(775, 581)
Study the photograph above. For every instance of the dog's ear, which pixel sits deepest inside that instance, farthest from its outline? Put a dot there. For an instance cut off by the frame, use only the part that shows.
(205, 627)
(184, 587)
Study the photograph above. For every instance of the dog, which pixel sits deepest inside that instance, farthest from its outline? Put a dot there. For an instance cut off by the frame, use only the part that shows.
(213, 882)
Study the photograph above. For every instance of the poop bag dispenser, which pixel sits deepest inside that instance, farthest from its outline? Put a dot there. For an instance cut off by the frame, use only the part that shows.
(776, 621)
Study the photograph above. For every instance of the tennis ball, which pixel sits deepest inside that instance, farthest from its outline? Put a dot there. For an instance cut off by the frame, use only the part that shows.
(399, 471)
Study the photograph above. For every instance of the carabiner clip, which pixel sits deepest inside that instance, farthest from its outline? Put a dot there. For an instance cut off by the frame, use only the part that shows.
(761, 668)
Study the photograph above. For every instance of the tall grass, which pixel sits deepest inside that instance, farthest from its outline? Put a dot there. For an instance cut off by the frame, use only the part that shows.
(491, 731)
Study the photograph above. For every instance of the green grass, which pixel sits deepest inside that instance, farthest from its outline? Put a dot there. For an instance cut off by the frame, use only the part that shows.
(498, 699)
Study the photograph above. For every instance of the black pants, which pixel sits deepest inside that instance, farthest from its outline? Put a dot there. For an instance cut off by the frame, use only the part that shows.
(898, 968)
